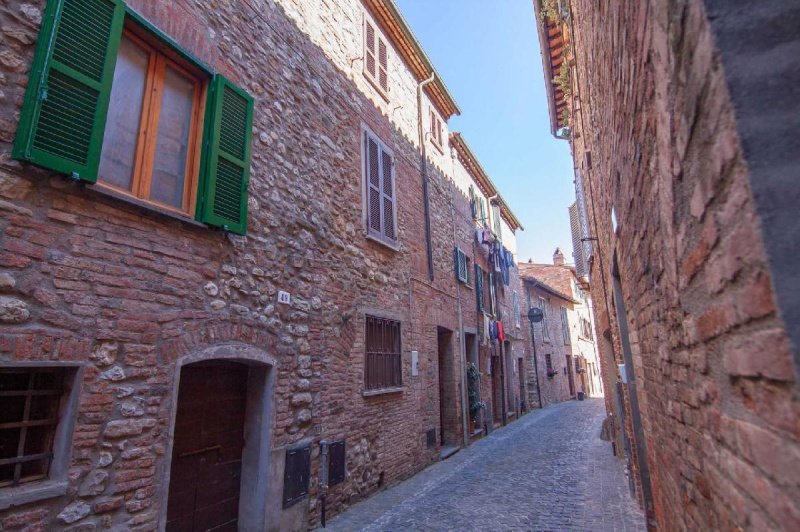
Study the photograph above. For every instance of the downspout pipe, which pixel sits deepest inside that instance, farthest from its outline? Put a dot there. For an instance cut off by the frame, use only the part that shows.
(423, 163)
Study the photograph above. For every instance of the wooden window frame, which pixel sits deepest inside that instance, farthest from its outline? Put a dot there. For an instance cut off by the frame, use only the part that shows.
(391, 360)
(374, 52)
(160, 56)
(462, 257)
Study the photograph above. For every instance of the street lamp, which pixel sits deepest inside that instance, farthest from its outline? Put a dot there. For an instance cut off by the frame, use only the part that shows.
(535, 315)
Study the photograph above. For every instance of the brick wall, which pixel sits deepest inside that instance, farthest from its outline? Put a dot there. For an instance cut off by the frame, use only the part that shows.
(128, 293)
(711, 360)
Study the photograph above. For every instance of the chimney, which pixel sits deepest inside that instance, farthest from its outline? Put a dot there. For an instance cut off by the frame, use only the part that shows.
(558, 257)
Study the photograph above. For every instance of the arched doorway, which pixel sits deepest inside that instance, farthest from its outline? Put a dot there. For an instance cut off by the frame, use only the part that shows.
(219, 447)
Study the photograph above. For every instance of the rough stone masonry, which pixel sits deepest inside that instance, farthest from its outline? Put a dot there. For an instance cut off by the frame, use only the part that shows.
(122, 296)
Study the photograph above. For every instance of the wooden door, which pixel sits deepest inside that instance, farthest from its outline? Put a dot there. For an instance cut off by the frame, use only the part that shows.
(207, 448)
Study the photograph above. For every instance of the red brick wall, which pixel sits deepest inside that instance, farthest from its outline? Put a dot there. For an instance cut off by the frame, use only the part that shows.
(127, 292)
(714, 374)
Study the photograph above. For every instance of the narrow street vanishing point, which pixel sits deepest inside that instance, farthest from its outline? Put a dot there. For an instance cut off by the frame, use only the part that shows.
(549, 471)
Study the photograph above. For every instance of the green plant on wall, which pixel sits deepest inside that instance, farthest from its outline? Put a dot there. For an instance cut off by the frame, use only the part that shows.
(550, 10)
(473, 390)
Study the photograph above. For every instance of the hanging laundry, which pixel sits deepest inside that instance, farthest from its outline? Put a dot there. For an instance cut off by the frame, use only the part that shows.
(501, 333)
(486, 326)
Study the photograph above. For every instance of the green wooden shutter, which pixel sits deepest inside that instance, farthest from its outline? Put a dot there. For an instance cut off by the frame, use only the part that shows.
(222, 201)
(479, 287)
(64, 115)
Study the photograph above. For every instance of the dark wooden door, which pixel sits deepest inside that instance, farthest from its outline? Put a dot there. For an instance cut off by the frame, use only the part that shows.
(570, 377)
(207, 448)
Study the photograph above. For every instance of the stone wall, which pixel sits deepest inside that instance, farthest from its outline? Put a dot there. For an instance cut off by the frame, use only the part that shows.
(128, 293)
(656, 142)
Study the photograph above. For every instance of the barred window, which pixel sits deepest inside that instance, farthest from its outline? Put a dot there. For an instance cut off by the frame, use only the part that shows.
(548, 361)
(383, 362)
(30, 403)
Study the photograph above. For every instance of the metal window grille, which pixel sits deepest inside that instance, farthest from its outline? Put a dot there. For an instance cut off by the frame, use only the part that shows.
(548, 361)
(30, 399)
(383, 366)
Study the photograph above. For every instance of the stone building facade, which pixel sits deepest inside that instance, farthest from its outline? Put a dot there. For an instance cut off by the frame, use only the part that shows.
(577, 318)
(269, 262)
(691, 215)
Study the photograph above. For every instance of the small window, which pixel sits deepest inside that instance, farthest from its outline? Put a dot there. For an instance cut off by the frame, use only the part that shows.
(564, 325)
(30, 408)
(376, 59)
(545, 329)
(463, 266)
(436, 130)
(383, 362)
(548, 361)
(379, 208)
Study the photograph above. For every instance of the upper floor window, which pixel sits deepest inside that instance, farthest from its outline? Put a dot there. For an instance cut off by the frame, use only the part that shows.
(376, 58)
(479, 288)
(564, 325)
(109, 101)
(545, 328)
(436, 130)
(380, 208)
(463, 266)
(517, 321)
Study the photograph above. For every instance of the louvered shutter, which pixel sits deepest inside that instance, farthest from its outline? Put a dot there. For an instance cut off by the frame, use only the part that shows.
(483, 210)
(372, 170)
(383, 65)
(479, 287)
(63, 118)
(369, 48)
(387, 170)
(472, 205)
(229, 122)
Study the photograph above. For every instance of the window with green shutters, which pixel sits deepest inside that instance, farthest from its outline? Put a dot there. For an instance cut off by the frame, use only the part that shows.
(98, 85)
(479, 287)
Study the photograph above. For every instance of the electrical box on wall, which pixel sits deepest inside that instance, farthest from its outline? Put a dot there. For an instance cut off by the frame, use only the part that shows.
(414, 363)
(284, 297)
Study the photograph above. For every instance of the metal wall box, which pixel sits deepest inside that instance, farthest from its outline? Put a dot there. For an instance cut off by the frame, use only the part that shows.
(296, 474)
(336, 462)
(430, 438)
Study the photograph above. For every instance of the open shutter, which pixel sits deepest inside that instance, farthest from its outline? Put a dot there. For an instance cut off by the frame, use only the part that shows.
(387, 170)
(383, 65)
(229, 123)
(479, 287)
(483, 210)
(64, 115)
(472, 205)
(369, 48)
(372, 170)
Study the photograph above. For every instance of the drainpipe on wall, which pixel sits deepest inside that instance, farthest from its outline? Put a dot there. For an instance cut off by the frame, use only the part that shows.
(424, 171)
(462, 349)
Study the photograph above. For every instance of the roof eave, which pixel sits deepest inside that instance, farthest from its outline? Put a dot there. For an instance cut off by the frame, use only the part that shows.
(544, 52)
(547, 288)
(482, 178)
(389, 16)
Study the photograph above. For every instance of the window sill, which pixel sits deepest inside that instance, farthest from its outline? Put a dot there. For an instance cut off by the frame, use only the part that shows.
(144, 205)
(393, 246)
(438, 146)
(377, 86)
(382, 391)
(28, 493)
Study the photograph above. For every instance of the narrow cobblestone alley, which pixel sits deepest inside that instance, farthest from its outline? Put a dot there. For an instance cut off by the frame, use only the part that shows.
(548, 471)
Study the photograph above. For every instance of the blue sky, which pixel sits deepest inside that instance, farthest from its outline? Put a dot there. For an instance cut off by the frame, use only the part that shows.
(487, 52)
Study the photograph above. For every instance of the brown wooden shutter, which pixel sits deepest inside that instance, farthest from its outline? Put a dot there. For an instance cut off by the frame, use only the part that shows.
(369, 48)
(373, 186)
(383, 65)
(388, 196)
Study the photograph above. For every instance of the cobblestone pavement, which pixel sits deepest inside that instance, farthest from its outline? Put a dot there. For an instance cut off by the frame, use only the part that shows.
(548, 471)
